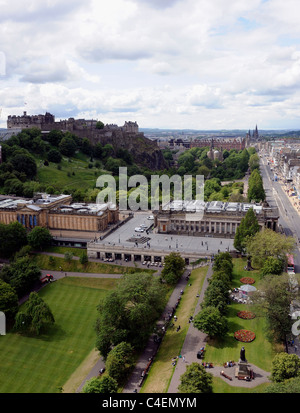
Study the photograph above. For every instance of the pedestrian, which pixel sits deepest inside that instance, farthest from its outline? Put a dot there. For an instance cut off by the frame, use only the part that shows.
(175, 317)
(296, 348)
(183, 358)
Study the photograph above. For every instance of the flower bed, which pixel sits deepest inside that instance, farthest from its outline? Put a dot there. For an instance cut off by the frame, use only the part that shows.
(247, 280)
(244, 335)
(246, 315)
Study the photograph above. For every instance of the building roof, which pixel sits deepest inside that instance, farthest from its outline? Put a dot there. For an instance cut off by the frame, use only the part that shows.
(212, 206)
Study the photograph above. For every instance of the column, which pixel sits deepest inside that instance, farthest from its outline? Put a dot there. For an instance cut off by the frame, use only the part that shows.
(209, 227)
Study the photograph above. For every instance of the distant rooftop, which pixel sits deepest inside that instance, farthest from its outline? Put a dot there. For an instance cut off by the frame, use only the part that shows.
(213, 206)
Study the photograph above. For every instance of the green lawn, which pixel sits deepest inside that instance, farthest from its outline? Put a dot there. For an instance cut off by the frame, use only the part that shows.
(44, 363)
(259, 352)
(42, 261)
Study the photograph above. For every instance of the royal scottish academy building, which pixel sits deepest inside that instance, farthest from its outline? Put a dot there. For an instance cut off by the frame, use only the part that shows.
(210, 219)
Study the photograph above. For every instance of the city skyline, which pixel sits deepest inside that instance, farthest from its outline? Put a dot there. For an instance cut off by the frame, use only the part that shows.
(180, 64)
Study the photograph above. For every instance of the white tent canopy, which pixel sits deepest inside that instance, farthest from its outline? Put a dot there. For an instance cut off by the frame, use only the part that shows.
(247, 289)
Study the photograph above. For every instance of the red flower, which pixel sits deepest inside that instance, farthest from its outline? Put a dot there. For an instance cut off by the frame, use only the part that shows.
(247, 280)
(247, 315)
(244, 335)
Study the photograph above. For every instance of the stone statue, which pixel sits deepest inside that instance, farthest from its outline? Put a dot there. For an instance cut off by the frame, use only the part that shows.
(242, 354)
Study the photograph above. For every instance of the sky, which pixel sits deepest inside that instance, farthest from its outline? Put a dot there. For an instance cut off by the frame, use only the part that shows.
(184, 64)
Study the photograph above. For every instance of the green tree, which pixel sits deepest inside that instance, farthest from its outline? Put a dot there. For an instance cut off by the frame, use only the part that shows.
(8, 300)
(98, 151)
(248, 227)
(39, 238)
(216, 295)
(54, 137)
(211, 322)
(268, 243)
(273, 299)
(21, 274)
(54, 156)
(104, 384)
(22, 161)
(173, 269)
(36, 315)
(107, 150)
(223, 262)
(86, 146)
(119, 361)
(67, 146)
(195, 380)
(272, 265)
(12, 237)
(99, 125)
(128, 313)
(254, 162)
(83, 259)
(68, 257)
(286, 386)
(256, 190)
(285, 366)
(210, 186)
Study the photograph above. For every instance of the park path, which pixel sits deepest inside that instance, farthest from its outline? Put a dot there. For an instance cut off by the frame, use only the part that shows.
(152, 347)
(196, 339)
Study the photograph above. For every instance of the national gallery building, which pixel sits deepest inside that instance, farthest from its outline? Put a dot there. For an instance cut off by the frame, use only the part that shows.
(58, 214)
(210, 219)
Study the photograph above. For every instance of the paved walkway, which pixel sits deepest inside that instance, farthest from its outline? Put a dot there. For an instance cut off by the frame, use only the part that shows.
(196, 339)
(152, 347)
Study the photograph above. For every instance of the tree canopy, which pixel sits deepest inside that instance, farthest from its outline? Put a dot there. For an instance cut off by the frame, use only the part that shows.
(256, 190)
(210, 321)
(21, 274)
(285, 366)
(12, 237)
(268, 243)
(274, 298)
(195, 380)
(173, 269)
(8, 300)
(104, 384)
(35, 316)
(129, 312)
(39, 238)
(248, 227)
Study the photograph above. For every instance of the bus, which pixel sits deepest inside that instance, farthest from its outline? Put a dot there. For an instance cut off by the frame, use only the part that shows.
(290, 266)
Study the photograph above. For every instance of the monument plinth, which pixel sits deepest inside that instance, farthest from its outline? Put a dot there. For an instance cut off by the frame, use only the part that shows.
(243, 371)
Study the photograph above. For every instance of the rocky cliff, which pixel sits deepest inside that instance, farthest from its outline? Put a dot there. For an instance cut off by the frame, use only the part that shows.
(144, 151)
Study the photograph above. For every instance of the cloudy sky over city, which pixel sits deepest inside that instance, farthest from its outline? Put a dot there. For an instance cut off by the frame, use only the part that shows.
(187, 64)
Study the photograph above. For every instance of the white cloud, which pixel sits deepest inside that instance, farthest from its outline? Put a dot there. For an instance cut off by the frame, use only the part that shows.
(165, 63)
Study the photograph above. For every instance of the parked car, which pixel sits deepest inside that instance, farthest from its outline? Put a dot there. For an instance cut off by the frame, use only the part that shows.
(46, 279)
(138, 229)
(150, 217)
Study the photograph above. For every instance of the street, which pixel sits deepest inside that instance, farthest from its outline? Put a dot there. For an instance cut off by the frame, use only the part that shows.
(288, 217)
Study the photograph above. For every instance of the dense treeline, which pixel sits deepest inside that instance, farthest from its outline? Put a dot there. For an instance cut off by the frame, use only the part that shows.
(24, 153)
(212, 317)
